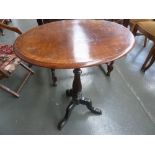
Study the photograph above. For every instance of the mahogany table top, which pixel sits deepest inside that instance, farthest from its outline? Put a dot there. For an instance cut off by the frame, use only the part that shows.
(74, 43)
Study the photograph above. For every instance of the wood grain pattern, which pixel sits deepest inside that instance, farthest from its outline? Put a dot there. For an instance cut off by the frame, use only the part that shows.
(74, 43)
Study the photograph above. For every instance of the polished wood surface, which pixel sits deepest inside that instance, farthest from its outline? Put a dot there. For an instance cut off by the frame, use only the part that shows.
(74, 43)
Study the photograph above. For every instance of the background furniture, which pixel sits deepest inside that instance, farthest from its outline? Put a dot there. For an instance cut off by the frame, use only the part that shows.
(4, 21)
(73, 45)
(133, 23)
(124, 22)
(44, 21)
(9, 61)
(147, 28)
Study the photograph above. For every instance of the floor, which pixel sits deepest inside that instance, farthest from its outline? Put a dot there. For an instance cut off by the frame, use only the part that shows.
(127, 98)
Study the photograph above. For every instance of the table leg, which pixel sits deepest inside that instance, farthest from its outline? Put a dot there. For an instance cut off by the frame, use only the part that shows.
(54, 78)
(110, 68)
(77, 98)
(2, 32)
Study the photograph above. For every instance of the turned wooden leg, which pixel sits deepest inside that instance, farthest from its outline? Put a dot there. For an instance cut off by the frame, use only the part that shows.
(110, 68)
(54, 78)
(77, 86)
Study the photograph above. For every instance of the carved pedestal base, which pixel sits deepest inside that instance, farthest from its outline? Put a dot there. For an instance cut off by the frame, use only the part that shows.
(77, 99)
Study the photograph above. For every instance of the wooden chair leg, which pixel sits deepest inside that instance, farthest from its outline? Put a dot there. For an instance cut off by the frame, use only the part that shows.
(16, 93)
(27, 68)
(150, 63)
(26, 77)
(9, 90)
(145, 41)
(23, 82)
(134, 30)
(151, 54)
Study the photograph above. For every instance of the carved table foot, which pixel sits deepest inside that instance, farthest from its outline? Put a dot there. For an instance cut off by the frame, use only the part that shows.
(67, 115)
(77, 99)
(88, 103)
(84, 101)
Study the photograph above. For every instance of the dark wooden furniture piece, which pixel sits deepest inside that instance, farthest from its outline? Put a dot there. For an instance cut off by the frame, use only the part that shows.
(74, 44)
(147, 28)
(126, 22)
(45, 21)
(4, 21)
(9, 62)
(133, 23)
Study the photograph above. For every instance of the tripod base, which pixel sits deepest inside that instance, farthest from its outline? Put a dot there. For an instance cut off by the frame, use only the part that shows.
(76, 94)
(82, 100)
